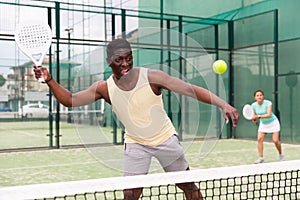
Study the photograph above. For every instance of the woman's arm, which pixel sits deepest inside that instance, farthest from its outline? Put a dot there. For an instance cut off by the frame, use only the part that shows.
(268, 115)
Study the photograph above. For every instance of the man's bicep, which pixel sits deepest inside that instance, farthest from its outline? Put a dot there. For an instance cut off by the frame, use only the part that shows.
(164, 81)
(172, 83)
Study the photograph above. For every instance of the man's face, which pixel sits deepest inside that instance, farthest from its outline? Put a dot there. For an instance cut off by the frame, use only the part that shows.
(120, 62)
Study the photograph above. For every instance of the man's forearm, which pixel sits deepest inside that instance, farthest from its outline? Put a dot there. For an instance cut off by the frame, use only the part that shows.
(63, 95)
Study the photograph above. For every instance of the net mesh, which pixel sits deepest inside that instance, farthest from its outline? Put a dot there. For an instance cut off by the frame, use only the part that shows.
(263, 181)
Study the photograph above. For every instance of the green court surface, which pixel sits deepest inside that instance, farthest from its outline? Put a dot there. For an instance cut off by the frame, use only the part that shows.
(105, 160)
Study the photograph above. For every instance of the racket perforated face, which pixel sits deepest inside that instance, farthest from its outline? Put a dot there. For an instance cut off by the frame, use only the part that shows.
(247, 112)
(34, 39)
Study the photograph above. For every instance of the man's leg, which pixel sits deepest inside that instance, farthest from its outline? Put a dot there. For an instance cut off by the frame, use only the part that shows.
(191, 191)
(132, 194)
(136, 162)
(171, 156)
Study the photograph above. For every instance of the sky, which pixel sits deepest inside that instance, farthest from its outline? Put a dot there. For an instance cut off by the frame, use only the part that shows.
(9, 20)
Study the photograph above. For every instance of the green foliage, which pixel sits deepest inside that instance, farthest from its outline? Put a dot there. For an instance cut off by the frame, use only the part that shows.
(2, 80)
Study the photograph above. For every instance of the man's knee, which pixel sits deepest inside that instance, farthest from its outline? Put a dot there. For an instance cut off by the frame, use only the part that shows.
(192, 192)
(132, 194)
(188, 187)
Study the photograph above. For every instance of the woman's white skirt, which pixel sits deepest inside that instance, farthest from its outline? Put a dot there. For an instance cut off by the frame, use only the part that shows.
(272, 127)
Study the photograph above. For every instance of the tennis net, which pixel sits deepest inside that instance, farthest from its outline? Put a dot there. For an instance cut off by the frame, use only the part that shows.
(278, 180)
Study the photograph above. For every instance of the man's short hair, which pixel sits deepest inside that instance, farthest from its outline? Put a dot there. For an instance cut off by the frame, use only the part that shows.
(117, 44)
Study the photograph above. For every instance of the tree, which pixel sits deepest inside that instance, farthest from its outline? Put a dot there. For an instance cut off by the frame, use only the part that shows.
(2, 80)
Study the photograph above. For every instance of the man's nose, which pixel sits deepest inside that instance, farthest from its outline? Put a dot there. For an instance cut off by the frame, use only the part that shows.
(124, 62)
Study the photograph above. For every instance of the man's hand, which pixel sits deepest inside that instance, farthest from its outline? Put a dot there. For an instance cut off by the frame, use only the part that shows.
(41, 72)
(229, 111)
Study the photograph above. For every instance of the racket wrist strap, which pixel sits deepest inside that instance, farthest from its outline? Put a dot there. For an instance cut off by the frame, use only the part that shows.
(46, 81)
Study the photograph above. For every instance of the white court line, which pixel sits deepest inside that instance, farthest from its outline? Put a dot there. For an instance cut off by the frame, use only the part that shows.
(47, 166)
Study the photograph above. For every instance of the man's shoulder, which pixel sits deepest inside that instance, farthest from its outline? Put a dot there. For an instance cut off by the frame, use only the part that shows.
(154, 71)
(101, 84)
(101, 88)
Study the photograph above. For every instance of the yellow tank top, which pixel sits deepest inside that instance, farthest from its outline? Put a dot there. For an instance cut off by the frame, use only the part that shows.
(141, 112)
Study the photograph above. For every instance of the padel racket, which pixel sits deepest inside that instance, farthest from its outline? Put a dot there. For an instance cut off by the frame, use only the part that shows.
(247, 112)
(34, 40)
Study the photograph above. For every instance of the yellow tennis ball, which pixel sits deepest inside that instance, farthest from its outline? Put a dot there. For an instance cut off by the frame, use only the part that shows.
(219, 66)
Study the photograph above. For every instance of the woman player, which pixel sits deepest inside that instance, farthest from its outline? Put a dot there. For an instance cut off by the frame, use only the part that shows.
(269, 123)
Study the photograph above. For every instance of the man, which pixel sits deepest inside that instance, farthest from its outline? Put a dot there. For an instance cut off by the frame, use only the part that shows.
(136, 97)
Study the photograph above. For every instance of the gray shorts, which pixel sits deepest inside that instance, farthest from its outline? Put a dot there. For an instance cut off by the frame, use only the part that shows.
(170, 154)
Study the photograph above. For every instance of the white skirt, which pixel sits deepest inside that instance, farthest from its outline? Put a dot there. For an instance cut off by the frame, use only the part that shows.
(272, 127)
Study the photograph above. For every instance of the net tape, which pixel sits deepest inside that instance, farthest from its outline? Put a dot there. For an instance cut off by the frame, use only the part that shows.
(278, 180)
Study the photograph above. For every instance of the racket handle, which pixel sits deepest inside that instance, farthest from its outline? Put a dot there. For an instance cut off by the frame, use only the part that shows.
(41, 80)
